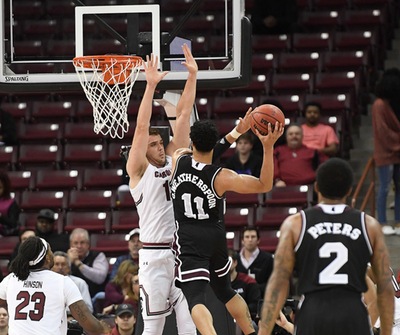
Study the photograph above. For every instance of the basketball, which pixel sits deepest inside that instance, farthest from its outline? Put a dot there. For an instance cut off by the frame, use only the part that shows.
(264, 114)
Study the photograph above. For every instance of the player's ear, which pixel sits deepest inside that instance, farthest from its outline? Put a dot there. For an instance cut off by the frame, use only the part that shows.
(315, 187)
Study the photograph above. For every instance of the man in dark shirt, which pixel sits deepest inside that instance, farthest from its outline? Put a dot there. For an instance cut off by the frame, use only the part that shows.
(46, 220)
(254, 262)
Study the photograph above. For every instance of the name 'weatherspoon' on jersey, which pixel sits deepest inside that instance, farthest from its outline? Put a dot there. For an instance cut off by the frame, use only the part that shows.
(188, 177)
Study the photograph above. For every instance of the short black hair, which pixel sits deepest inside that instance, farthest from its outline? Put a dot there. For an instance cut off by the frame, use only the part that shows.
(250, 228)
(204, 135)
(312, 103)
(334, 178)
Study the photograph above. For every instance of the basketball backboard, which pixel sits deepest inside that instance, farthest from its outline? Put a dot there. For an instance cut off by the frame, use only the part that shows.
(38, 44)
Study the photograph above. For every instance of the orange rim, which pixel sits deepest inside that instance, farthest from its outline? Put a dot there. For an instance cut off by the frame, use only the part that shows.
(103, 60)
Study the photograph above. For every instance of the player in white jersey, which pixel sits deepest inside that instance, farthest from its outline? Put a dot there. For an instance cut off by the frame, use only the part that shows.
(149, 168)
(37, 297)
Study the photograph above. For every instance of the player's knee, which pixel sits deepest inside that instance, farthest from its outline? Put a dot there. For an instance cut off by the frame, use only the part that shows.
(194, 293)
(225, 294)
(222, 289)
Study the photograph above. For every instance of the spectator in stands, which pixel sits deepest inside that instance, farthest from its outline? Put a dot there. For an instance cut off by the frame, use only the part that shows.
(62, 265)
(9, 209)
(244, 285)
(134, 246)
(245, 161)
(294, 163)
(91, 266)
(317, 135)
(24, 234)
(125, 320)
(46, 229)
(386, 129)
(274, 17)
(3, 321)
(8, 129)
(120, 289)
(254, 262)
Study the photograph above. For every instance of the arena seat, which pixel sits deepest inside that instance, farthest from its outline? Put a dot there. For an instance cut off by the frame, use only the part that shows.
(7, 245)
(292, 195)
(111, 244)
(56, 180)
(124, 220)
(8, 157)
(268, 240)
(86, 200)
(80, 132)
(330, 4)
(297, 62)
(37, 200)
(101, 178)
(272, 217)
(39, 133)
(77, 155)
(39, 156)
(21, 180)
(290, 83)
(311, 42)
(93, 221)
(320, 21)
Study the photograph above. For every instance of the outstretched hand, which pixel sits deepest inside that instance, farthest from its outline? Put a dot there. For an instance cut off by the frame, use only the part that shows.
(153, 76)
(189, 62)
(244, 123)
(272, 135)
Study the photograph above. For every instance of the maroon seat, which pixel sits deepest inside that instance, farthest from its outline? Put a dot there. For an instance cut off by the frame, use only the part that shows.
(263, 63)
(39, 156)
(8, 157)
(124, 220)
(93, 221)
(330, 4)
(237, 218)
(52, 111)
(100, 179)
(111, 244)
(19, 110)
(56, 180)
(36, 200)
(39, 133)
(293, 195)
(81, 132)
(299, 62)
(290, 83)
(7, 245)
(21, 180)
(124, 200)
(268, 240)
(311, 42)
(78, 155)
(234, 199)
(272, 217)
(271, 43)
(85, 200)
(320, 21)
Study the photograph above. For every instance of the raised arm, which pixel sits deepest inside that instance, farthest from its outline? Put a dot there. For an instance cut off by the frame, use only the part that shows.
(224, 143)
(88, 322)
(137, 161)
(185, 104)
(228, 180)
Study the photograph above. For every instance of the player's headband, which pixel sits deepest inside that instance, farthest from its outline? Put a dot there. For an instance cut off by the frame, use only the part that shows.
(41, 255)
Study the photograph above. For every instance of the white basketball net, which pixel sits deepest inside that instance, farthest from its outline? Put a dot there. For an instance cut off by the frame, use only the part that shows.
(108, 87)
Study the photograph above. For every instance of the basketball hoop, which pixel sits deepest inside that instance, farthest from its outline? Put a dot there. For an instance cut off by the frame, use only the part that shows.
(108, 81)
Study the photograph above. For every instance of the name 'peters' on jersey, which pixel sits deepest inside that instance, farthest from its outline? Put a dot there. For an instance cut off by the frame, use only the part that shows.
(335, 228)
(188, 177)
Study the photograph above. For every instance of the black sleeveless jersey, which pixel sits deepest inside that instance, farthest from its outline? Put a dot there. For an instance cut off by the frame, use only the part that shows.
(333, 249)
(192, 192)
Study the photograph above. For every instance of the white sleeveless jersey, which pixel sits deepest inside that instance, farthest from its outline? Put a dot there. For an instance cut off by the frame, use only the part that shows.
(37, 305)
(154, 205)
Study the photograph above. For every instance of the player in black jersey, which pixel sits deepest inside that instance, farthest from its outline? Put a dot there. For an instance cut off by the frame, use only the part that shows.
(197, 191)
(329, 246)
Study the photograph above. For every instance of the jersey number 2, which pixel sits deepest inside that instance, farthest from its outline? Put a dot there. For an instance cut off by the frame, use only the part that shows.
(187, 202)
(329, 275)
(36, 314)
